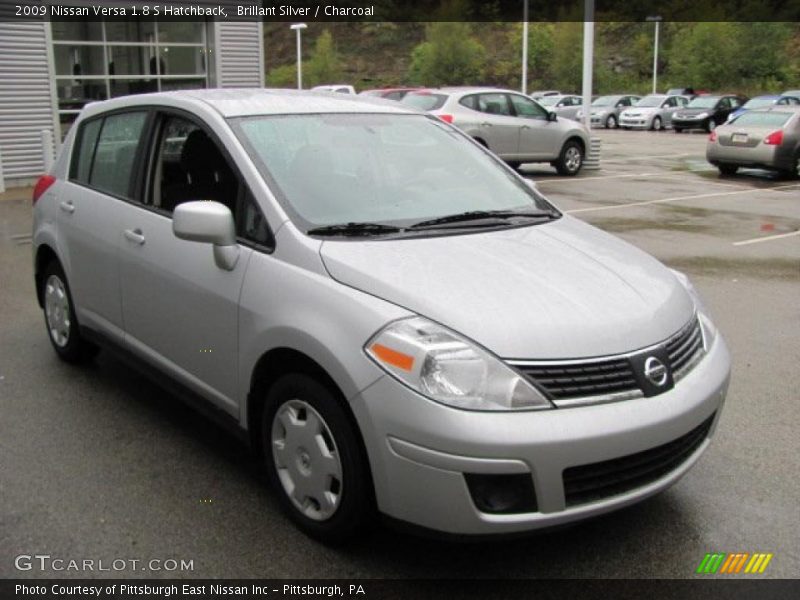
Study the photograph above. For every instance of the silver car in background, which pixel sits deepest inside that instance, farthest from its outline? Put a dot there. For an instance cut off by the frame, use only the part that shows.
(761, 138)
(564, 105)
(397, 322)
(605, 110)
(514, 127)
(652, 112)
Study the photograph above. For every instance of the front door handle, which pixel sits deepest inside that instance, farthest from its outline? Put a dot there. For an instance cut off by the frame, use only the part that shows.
(67, 206)
(486, 124)
(135, 235)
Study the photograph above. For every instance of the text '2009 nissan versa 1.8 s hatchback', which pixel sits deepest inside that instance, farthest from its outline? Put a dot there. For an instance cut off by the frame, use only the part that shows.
(398, 321)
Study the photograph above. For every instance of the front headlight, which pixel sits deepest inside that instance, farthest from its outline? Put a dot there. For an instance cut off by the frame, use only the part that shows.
(709, 329)
(450, 369)
(702, 115)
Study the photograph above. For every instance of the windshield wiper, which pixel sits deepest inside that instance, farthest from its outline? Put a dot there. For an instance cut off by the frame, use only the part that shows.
(354, 229)
(483, 215)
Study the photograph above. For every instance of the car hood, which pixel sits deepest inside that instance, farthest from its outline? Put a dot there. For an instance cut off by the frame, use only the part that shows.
(558, 290)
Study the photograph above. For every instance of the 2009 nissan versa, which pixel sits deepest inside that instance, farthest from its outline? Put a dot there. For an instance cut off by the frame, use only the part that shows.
(400, 322)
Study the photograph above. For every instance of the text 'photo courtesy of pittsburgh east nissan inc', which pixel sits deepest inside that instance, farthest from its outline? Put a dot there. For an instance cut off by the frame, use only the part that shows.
(386, 299)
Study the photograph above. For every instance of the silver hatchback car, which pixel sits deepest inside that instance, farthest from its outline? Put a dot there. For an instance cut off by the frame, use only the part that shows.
(512, 125)
(394, 319)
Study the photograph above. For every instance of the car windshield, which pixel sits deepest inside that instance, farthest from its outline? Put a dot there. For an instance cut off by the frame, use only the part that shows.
(424, 101)
(389, 169)
(650, 101)
(759, 102)
(549, 100)
(606, 101)
(763, 119)
(703, 102)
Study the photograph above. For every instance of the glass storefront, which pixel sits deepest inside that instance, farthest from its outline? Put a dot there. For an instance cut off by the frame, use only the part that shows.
(99, 60)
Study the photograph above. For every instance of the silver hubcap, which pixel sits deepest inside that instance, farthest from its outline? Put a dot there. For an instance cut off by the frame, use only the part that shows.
(572, 158)
(712, 125)
(56, 308)
(307, 460)
(657, 124)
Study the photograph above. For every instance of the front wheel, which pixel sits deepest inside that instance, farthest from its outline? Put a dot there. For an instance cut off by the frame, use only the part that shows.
(710, 125)
(60, 319)
(611, 122)
(314, 459)
(570, 160)
(658, 125)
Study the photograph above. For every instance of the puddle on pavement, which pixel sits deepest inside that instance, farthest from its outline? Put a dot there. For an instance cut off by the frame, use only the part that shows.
(624, 225)
(733, 268)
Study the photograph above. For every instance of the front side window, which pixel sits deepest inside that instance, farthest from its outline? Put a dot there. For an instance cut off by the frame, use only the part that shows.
(106, 151)
(391, 169)
(527, 108)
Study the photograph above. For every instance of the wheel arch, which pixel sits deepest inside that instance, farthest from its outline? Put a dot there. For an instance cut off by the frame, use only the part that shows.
(44, 256)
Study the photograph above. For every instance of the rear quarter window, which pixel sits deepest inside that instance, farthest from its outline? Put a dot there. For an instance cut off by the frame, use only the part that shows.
(83, 152)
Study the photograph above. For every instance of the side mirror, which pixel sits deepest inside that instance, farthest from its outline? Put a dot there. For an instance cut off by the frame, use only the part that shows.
(551, 116)
(211, 223)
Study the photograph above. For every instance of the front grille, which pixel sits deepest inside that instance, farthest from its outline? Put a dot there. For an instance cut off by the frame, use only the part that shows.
(611, 376)
(583, 379)
(684, 347)
(597, 481)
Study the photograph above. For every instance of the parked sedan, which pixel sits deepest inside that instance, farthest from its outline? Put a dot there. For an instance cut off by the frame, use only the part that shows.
(542, 93)
(706, 112)
(510, 124)
(388, 93)
(765, 102)
(566, 105)
(606, 109)
(652, 112)
(339, 88)
(764, 138)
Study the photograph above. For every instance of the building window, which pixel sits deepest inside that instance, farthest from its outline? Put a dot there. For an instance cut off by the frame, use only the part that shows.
(98, 60)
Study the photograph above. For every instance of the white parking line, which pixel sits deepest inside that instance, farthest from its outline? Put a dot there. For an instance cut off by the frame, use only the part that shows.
(646, 157)
(585, 179)
(767, 238)
(672, 199)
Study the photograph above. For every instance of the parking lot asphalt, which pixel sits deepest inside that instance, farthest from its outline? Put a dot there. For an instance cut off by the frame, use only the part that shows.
(98, 463)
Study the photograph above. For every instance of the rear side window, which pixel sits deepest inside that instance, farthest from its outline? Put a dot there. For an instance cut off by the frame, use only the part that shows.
(116, 151)
(762, 119)
(81, 165)
(425, 101)
(494, 104)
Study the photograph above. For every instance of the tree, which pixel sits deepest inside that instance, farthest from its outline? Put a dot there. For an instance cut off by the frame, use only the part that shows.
(540, 55)
(448, 56)
(568, 55)
(283, 76)
(706, 55)
(324, 66)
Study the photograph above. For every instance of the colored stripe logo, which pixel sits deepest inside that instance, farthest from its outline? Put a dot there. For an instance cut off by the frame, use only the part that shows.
(734, 563)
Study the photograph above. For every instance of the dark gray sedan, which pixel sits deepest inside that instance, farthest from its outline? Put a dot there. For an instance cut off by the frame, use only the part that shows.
(605, 110)
(767, 139)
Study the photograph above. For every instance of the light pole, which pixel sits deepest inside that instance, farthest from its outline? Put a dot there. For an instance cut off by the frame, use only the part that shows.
(298, 27)
(525, 47)
(657, 20)
(588, 60)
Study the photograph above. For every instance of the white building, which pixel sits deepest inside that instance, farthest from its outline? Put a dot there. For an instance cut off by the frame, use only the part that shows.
(50, 69)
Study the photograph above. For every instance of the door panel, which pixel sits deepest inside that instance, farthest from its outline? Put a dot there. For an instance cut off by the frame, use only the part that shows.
(496, 125)
(180, 310)
(538, 137)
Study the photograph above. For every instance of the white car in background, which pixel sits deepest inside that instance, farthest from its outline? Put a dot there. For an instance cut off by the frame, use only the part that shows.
(565, 105)
(654, 111)
(338, 88)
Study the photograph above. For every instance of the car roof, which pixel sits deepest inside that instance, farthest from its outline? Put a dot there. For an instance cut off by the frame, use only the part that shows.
(239, 102)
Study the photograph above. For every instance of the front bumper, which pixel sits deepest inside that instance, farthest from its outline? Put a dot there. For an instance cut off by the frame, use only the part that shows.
(689, 123)
(419, 450)
(635, 122)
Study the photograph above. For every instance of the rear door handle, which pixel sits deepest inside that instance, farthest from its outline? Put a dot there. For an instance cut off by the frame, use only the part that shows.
(525, 127)
(135, 235)
(67, 206)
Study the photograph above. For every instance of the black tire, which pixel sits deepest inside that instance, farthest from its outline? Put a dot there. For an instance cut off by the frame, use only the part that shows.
(678, 129)
(67, 341)
(710, 125)
(626, 128)
(611, 122)
(356, 505)
(565, 165)
(514, 164)
(727, 170)
(657, 125)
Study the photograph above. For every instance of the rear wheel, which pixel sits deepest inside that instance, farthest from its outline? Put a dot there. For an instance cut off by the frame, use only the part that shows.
(727, 169)
(59, 317)
(570, 160)
(314, 459)
(611, 122)
(514, 164)
(657, 124)
(794, 173)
